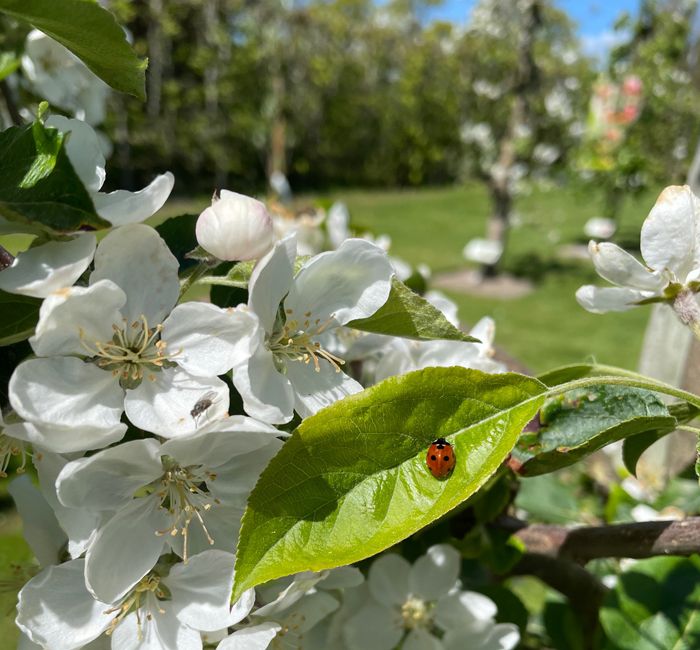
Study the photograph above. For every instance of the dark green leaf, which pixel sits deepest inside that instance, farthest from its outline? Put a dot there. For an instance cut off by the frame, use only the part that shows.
(408, 315)
(634, 446)
(38, 183)
(178, 234)
(582, 421)
(19, 317)
(579, 370)
(550, 499)
(91, 33)
(353, 480)
(655, 606)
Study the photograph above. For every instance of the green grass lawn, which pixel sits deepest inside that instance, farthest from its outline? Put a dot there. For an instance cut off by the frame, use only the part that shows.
(545, 328)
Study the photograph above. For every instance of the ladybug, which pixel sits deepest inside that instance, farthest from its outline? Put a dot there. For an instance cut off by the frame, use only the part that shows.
(441, 458)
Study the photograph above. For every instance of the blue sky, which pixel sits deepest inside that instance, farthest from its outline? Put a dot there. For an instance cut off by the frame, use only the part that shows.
(595, 18)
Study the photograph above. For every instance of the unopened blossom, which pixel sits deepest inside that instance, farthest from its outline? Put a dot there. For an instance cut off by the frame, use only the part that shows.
(422, 606)
(114, 346)
(289, 368)
(670, 246)
(403, 355)
(167, 609)
(235, 227)
(87, 157)
(187, 494)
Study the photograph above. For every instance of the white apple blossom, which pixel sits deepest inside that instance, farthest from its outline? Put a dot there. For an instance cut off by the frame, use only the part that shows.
(187, 494)
(86, 155)
(10, 447)
(235, 227)
(670, 246)
(61, 78)
(167, 610)
(109, 348)
(402, 355)
(289, 368)
(422, 606)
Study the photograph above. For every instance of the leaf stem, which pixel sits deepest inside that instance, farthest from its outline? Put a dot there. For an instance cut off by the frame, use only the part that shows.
(197, 272)
(687, 427)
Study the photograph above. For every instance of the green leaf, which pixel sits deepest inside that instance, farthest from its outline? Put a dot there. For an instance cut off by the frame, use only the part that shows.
(38, 183)
(91, 33)
(576, 424)
(408, 315)
(634, 446)
(19, 317)
(352, 480)
(656, 604)
(9, 62)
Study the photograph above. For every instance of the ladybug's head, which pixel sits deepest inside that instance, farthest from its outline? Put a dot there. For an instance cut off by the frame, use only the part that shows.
(441, 441)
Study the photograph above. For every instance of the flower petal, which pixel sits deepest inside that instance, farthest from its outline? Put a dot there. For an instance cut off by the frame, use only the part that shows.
(316, 390)
(78, 523)
(41, 270)
(389, 579)
(256, 637)
(56, 611)
(270, 281)
(434, 574)
(351, 282)
(39, 525)
(66, 439)
(374, 627)
(504, 636)
(267, 394)
(108, 480)
(83, 149)
(123, 207)
(669, 233)
(603, 299)
(125, 549)
(235, 227)
(236, 478)
(232, 437)
(70, 312)
(420, 639)
(62, 393)
(137, 260)
(466, 610)
(619, 267)
(208, 340)
(201, 590)
(165, 404)
(159, 630)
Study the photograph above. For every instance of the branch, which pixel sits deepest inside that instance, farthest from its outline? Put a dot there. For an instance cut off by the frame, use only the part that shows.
(637, 540)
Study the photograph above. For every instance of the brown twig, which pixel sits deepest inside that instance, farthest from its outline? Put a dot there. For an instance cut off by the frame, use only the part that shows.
(635, 540)
(10, 104)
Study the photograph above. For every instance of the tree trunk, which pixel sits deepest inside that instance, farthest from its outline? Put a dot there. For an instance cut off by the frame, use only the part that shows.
(277, 154)
(500, 175)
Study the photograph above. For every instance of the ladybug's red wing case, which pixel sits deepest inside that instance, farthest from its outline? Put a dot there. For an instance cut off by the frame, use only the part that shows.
(440, 458)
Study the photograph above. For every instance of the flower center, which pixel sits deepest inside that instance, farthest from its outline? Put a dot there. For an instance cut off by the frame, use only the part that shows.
(10, 447)
(291, 634)
(415, 613)
(134, 350)
(295, 342)
(183, 493)
(142, 599)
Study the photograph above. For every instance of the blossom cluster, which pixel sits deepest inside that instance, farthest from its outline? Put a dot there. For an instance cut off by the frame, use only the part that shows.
(144, 466)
